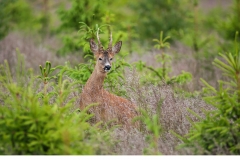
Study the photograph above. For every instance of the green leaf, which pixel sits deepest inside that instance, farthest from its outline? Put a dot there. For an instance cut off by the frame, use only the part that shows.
(223, 66)
(208, 85)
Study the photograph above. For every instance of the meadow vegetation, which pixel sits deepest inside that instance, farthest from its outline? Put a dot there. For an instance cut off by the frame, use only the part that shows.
(179, 63)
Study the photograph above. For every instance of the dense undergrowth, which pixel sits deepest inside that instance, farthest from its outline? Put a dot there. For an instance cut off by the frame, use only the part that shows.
(38, 116)
(186, 104)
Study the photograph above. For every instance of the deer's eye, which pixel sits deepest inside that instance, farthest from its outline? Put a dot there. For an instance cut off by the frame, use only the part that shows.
(100, 59)
(111, 59)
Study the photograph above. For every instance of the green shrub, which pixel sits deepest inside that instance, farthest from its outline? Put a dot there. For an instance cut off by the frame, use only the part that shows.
(153, 15)
(42, 120)
(156, 75)
(89, 12)
(225, 21)
(20, 15)
(232, 23)
(219, 132)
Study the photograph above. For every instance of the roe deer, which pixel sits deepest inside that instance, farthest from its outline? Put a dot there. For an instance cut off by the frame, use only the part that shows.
(109, 106)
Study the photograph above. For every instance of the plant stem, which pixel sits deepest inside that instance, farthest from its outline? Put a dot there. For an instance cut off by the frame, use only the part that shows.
(238, 85)
(164, 66)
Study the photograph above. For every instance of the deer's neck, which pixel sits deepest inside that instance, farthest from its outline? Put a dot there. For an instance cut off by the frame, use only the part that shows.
(95, 81)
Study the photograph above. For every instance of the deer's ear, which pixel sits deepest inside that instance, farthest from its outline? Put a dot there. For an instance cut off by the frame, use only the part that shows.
(93, 46)
(117, 47)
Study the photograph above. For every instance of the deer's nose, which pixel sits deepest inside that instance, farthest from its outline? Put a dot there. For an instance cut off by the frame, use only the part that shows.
(107, 67)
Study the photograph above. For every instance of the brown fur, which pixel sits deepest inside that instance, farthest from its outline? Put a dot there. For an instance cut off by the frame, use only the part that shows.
(109, 105)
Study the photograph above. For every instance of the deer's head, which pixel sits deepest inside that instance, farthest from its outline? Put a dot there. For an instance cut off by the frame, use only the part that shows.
(104, 57)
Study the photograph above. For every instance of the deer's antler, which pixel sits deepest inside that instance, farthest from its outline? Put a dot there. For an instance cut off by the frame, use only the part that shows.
(110, 39)
(99, 42)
